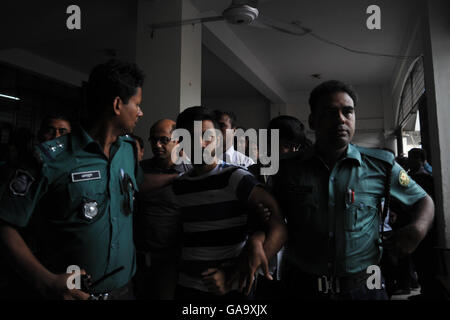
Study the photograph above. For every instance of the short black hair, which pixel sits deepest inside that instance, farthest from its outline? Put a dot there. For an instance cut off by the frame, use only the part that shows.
(138, 140)
(233, 119)
(290, 129)
(52, 116)
(419, 153)
(326, 89)
(185, 119)
(110, 80)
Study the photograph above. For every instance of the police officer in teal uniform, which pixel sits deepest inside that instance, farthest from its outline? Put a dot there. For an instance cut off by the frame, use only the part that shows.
(332, 196)
(83, 184)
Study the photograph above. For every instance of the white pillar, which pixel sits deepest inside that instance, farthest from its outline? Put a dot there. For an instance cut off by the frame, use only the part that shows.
(437, 77)
(389, 138)
(171, 60)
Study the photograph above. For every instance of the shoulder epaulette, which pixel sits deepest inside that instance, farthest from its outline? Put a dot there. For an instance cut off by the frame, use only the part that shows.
(50, 150)
(127, 138)
(382, 155)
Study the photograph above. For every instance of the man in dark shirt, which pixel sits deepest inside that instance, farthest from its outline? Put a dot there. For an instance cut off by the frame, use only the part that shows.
(157, 225)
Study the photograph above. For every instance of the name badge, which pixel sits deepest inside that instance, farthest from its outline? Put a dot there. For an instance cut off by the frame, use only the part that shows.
(86, 176)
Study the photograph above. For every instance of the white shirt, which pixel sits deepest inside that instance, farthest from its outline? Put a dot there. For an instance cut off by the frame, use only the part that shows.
(237, 158)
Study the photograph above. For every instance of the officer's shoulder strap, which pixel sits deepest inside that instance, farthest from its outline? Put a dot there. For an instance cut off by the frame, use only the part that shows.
(50, 150)
(378, 154)
(128, 139)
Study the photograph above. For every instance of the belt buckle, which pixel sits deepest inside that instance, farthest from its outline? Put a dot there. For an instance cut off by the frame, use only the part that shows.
(331, 285)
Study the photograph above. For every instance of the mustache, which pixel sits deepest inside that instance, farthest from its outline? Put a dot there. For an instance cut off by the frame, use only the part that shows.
(342, 127)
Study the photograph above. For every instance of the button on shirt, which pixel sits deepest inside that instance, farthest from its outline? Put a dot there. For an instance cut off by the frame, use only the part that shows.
(333, 215)
(82, 197)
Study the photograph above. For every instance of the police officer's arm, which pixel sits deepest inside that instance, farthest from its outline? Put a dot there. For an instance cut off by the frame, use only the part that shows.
(17, 204)
(421, 213)
(275, 230)
(263, 244)
(406, 239)
(23, 260)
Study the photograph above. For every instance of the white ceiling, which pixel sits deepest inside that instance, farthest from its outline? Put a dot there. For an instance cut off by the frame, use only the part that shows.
(293, 59)
(290, 60)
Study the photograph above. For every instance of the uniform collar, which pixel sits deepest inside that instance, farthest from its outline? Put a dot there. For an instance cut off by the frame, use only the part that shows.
(82, 140)
(353, 154)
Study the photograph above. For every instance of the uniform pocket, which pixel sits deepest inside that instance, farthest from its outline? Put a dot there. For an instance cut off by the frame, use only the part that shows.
(361, 213)
(128, 190)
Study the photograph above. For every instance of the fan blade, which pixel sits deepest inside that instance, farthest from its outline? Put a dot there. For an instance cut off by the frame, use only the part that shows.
(294, 28)
(172, 24)
(257, 24)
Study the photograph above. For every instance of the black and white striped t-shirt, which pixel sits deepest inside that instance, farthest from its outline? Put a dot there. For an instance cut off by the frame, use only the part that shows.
(214, 216)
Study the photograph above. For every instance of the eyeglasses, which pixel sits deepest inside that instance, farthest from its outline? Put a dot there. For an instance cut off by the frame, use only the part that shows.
(163, 139)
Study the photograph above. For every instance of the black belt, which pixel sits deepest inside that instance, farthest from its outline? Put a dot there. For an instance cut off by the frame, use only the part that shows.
(329, 285)
(125, 293)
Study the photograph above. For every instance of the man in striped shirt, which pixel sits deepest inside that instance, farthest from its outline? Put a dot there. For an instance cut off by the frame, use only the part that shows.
(214, 202)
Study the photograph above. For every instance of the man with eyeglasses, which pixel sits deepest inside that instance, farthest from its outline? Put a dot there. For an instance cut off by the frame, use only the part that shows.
(54, 126)
(157, 225)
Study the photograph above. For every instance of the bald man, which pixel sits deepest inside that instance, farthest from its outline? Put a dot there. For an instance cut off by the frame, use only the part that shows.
(157, 225)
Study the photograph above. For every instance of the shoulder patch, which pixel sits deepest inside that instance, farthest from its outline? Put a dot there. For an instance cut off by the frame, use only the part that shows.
(21, 182)
(404, 179)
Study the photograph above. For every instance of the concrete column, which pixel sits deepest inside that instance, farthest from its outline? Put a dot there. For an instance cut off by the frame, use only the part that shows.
(388, 120)
(171, 60)
(437, 77)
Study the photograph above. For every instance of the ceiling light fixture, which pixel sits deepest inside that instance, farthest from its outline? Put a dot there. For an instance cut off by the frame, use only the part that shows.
(9, 97)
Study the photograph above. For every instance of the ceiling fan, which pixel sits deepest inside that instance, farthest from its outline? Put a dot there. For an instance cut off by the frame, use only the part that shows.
(246, 13)
(242, 12)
